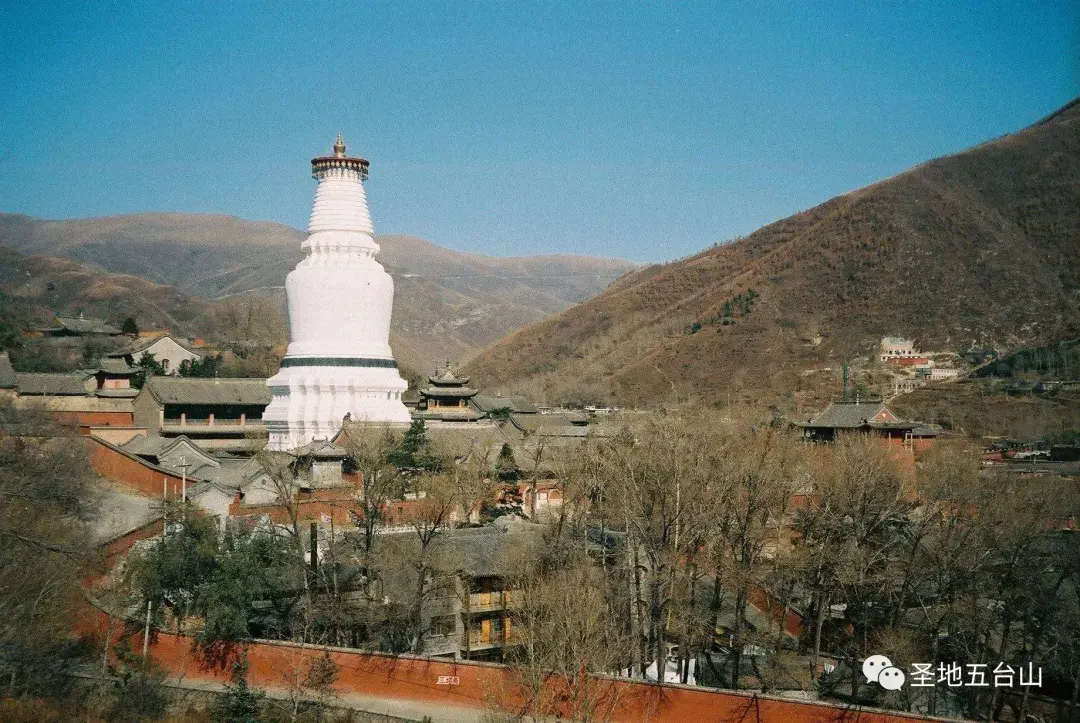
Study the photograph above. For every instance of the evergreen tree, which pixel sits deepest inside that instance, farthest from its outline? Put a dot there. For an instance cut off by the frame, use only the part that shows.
(130, 327)
(208, 366)
(414, 451)
(148, 366)
(506, 466)
(239, 703)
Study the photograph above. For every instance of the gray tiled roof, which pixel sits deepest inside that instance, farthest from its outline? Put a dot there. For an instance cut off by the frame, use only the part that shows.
(7, 374)
(146, 342)
(437, 391)
(461, 414)
(570, 424)
(86, 326)
(52, 384)
(447, 376)
(320, 449)
(233, 474)
(146, 446)
(114, 366)
(178, 390)
(488, 551)
(518, 405)
(847, 415)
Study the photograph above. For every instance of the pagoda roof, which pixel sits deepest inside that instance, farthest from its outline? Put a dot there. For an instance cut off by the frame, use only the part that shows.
(115, 366)
(447, 378)
(450, 414)
(449, 391)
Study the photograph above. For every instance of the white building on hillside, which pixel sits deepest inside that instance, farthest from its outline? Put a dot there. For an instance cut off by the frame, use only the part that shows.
(894, 347)
(340, 299)
(939, 374)
(167, 351)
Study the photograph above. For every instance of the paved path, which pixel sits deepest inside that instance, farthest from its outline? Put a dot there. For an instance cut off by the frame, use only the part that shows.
(402, 709)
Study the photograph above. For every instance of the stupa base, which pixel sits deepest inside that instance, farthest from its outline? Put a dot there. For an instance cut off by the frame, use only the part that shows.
(312, 402)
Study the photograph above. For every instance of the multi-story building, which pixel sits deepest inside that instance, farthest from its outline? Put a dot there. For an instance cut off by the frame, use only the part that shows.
(216, 414)
(446, 398)
(468, 611)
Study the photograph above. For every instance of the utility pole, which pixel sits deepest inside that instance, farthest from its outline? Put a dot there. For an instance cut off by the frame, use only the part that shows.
(183, 466)
(164, 506)
(183, 481)
(146, 630)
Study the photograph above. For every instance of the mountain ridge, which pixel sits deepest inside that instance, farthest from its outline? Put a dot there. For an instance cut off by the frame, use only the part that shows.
(977, 248)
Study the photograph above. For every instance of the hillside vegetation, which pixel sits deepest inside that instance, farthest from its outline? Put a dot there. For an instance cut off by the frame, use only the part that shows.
(980, 248)
(37, 287)
(448, 304)
(994, 408)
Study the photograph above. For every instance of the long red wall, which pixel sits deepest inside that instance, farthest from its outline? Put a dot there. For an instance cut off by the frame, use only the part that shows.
(129, 470)
(475, 685)
(94, 418)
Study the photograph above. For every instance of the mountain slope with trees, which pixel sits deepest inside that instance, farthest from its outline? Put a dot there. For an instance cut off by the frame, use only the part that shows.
(974, 249)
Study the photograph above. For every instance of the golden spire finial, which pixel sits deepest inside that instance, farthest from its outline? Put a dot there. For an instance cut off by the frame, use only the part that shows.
(339, 146)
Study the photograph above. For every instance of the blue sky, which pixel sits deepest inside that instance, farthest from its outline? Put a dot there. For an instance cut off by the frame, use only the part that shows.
(641, 130)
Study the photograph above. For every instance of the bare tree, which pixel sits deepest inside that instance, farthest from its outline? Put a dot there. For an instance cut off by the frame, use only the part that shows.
(429, 514)
(760, 465)
(47, 495)
(281, 472)
(659, 481)
(564, 633)
(369, 448)
(850, 533)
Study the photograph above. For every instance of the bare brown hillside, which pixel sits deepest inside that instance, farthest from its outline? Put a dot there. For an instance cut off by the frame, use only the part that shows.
(448, 304)
(978, 248)
(42, 286)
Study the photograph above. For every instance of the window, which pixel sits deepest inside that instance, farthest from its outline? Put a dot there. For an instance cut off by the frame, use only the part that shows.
(443, 625)
(165, 364)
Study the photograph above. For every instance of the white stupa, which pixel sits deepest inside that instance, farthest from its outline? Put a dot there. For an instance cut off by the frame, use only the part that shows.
(340, 298)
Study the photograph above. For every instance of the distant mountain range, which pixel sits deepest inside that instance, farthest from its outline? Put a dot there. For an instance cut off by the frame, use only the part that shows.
(448, 304)
(981, 249)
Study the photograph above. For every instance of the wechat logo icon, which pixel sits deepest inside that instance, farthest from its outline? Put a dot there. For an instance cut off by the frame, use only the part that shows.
(879, 669)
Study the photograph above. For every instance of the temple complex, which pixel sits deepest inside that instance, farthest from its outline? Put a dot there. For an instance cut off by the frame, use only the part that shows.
(338, 364)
